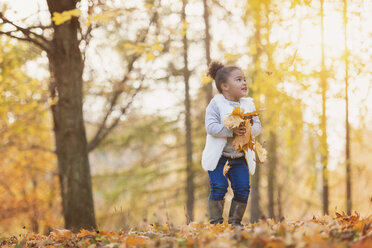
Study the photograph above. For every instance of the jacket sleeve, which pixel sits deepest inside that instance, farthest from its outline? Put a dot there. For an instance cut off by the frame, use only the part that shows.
(256, 127)
(212, 122)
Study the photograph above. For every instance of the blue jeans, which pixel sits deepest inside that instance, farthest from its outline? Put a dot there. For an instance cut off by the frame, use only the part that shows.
(238, 176)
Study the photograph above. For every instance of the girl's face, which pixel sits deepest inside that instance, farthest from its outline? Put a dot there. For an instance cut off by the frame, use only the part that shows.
(236, 86)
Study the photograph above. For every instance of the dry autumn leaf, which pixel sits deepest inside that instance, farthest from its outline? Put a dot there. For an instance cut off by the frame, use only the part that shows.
(85, 232)
(61, 233)
(261, 152)
(226, 167)
(135, 241)
(243, 142)
(232, 121)
(236, 118)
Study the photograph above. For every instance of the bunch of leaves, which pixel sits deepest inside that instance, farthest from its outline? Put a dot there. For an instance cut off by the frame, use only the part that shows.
(244, 142)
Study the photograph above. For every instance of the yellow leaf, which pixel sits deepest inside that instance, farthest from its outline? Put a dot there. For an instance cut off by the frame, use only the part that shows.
(238, 111)
(231, 57)
(128, 45)
(105, 16)
(220, 45)
(53, 101)
(185, 24)
(157, 47)
(206, 79)
(150, 56)
(60, 18)
(165, 227)
(148, 5)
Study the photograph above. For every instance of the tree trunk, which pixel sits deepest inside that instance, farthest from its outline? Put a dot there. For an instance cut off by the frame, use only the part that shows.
(323, 124)
(255, 192)
(207, 41)
(66, 67)
(190, 188)
(279, 203)
(272, 160)
(255, 195)
(347, 148)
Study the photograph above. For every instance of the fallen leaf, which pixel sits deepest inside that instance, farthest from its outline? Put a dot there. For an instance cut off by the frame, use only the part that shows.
(61, 233)
(226, 167)
(84, 232)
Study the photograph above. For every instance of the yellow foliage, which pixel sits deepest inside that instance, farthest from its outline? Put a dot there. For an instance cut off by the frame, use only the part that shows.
(104, 16)
(60, 18)
(252, 49)
(141, 48)
(157, 47)
(231, 57)
(27, 157)
(148, 5)
(206, 79)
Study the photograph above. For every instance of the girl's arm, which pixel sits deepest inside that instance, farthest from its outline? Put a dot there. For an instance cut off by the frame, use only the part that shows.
(256, 127)
(212, 122)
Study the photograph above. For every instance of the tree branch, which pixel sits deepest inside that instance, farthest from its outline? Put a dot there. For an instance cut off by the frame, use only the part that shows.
(103, 131)
(40, 26)
(29, 35)
(27, 148)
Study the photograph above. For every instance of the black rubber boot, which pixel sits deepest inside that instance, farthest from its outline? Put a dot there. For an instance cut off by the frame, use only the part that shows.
(236, 213)
(215, 208)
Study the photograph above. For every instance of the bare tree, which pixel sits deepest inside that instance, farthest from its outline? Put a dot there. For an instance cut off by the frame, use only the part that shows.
(190, 187)
(347, 148)
(323, 124)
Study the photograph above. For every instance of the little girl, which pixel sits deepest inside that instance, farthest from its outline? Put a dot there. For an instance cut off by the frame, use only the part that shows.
(231, 84)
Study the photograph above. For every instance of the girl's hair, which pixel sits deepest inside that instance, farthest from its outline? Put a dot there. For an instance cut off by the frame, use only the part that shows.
(220, 73)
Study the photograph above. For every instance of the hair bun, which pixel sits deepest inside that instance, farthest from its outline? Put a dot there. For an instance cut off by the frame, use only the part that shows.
(214, 66)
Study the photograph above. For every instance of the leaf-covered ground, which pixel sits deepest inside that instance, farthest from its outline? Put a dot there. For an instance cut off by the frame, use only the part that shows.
(324, 231)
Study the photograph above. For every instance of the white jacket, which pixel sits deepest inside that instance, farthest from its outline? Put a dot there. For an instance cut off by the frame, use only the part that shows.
(214, 145)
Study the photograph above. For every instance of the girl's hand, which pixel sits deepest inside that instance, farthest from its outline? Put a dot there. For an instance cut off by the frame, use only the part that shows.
(251, 119)
(239, 130)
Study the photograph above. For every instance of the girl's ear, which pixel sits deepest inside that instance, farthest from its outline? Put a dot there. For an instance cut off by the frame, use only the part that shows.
(224, 86)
